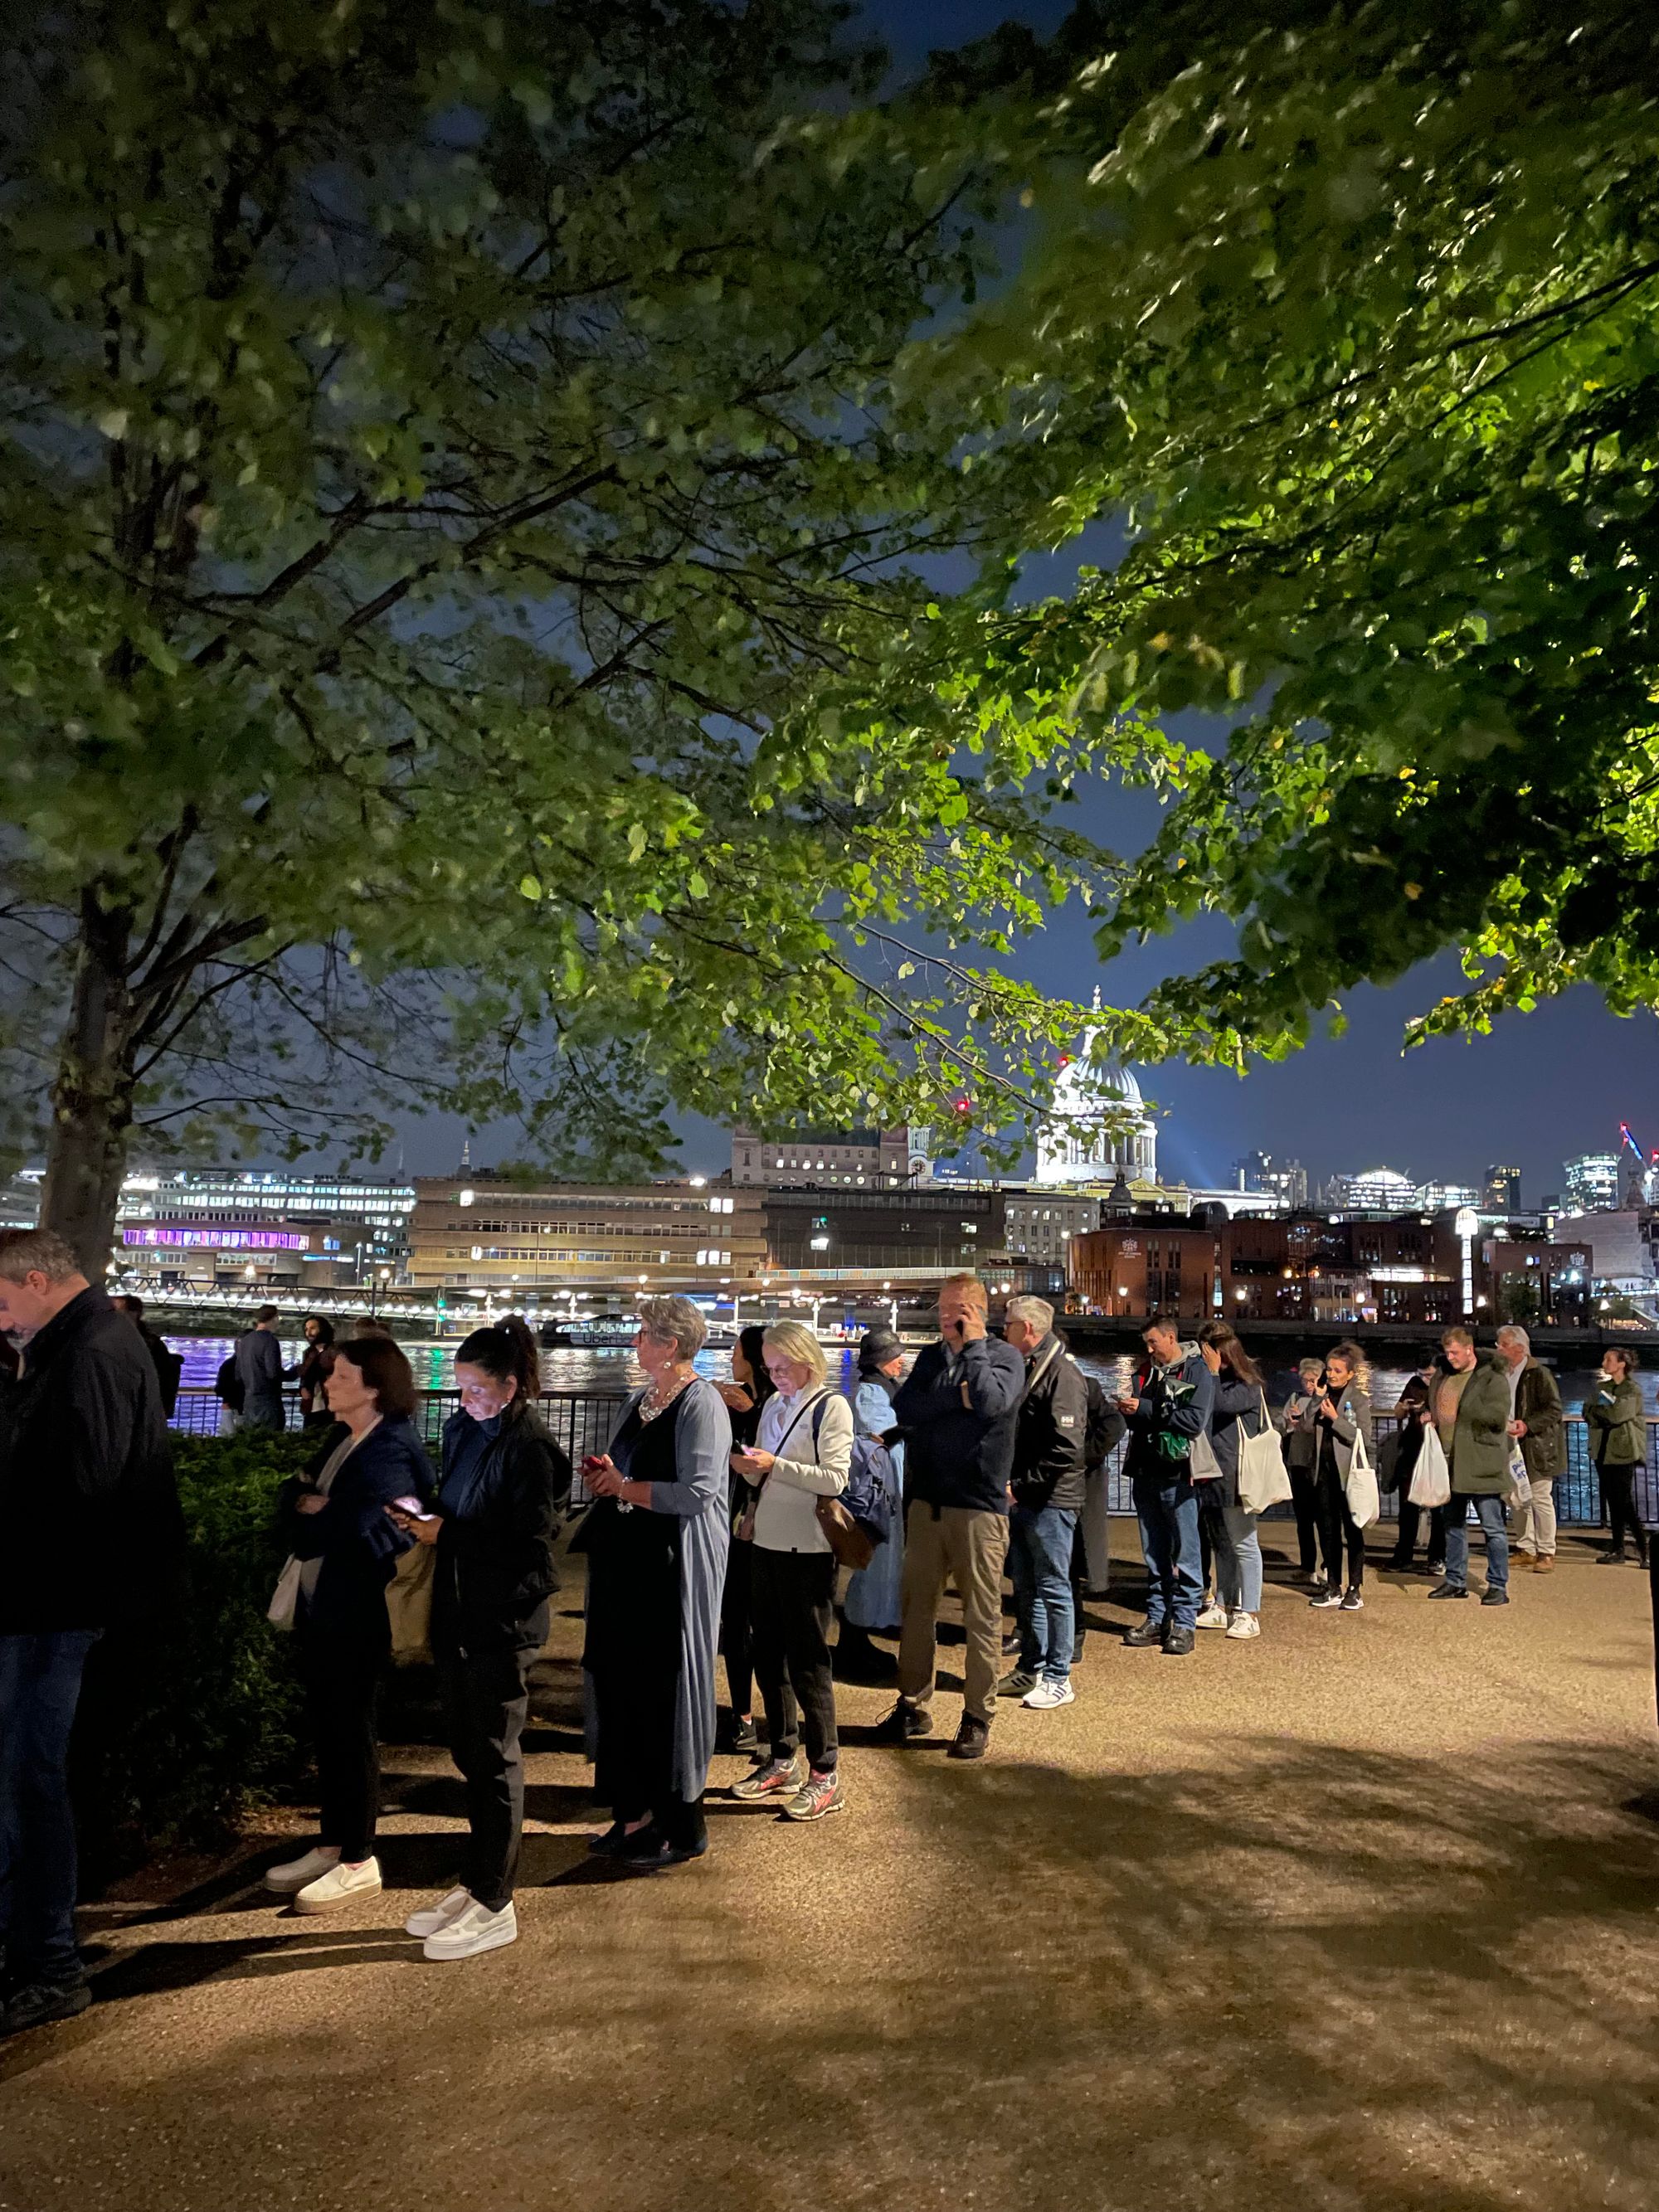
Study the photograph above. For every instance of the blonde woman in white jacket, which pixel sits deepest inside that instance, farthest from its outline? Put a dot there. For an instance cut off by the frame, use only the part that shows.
(804, 1452)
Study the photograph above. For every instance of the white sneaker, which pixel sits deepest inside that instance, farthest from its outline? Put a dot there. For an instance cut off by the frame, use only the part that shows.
(473, 1930)
(1243, 1626)
(432, 1917)
(1213, 1616)
(295, 1873)
(1048, 1694)
(1318, 1578)
(338, 1887)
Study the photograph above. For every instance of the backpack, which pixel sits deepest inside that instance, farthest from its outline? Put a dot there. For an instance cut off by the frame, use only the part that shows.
(227, 1385)
(870, 1483)
(1105, 1428)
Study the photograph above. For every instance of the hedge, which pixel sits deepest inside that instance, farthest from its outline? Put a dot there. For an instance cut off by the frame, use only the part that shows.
(188, 1722)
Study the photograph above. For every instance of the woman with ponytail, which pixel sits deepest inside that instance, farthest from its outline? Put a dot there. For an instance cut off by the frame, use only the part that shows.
(506, 1485)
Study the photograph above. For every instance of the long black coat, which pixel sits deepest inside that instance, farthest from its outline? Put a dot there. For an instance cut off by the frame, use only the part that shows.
(90, 1529)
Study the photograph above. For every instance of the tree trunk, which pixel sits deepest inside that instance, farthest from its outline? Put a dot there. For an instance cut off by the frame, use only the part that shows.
(92, 1095)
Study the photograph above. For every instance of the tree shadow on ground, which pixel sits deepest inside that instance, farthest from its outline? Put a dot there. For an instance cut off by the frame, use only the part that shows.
(1286, 1974)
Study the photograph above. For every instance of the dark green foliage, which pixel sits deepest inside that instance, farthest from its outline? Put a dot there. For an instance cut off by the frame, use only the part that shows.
(188, 1721)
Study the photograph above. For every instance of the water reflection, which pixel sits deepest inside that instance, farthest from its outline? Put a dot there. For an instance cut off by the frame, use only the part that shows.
(585, 1368)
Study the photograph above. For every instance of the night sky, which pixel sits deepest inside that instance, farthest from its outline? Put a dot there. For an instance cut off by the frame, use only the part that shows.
(1543, 1087)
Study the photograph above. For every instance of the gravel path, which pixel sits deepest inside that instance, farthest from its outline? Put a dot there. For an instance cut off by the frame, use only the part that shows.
(1362, 1915)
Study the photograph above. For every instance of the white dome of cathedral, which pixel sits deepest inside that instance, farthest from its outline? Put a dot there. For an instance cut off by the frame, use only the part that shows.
(1124, 1139)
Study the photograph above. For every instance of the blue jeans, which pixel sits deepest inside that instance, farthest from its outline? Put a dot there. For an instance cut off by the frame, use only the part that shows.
(1237, 1545)
(1167, 1509)
(39, 1688)
(1040, 1567)
(1492, 1513)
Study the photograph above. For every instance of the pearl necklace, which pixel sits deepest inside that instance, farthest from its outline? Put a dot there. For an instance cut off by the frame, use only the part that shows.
(658, 1400)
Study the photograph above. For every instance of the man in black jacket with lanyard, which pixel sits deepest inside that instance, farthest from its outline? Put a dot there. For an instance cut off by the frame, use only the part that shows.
(90, 1516)
(957, 1409)
(1047, 1490)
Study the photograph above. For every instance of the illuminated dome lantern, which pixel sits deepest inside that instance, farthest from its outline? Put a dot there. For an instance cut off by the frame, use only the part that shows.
(1122, 1139)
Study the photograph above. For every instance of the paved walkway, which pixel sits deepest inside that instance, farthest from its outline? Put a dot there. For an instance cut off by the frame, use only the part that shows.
(1361, 1916)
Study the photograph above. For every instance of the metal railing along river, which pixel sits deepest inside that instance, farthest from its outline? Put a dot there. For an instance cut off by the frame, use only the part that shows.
(582, 1421)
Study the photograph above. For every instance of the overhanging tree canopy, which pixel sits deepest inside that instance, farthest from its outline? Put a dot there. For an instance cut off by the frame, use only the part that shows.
(448, 476)
(1356, 324)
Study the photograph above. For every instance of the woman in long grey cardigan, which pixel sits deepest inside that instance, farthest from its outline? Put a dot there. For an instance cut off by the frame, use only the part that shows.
(656, 1542)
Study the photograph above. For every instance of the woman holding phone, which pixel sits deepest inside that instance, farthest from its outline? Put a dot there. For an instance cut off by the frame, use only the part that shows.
(505, 1486)
(656, 1540)
(743, 1397)
(344, 1548)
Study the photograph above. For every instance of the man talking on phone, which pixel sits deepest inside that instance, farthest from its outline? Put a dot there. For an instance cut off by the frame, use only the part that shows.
(959, 1409)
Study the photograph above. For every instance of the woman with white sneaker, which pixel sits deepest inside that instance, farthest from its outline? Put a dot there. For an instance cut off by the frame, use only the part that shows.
(804, 1453)
(1240, 1409)
(344, 1549)
(1342, 1419)
(505, 1484)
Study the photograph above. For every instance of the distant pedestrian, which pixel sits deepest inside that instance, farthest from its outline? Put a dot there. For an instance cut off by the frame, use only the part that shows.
(656, 1540)
(169, 1364)
(1618, 1424)
(1301, 1449)
(1470, 1411)
(744, 1397)
(1167, 1408)
(1342, 1422)
(957, 1407)
(259, 1372)
(504, 1487)
(90, 1532)
(1239, 1409)
(1409, 1406)
(311, 1370)
(343, 1550)
(1538, 1431)
(874, 1604)
(1046, 1490)
(804, 1453)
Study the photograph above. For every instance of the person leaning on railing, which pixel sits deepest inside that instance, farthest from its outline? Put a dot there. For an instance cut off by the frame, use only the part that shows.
(504, 1488)
(1618, 1425)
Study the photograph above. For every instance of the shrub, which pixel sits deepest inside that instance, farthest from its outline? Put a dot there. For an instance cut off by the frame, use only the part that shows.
(188, 1721)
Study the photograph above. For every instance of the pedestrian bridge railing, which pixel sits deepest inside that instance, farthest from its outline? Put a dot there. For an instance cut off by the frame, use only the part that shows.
(582, 1421)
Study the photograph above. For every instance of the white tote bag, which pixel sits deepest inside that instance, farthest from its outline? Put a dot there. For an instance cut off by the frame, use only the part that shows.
(1431, 1482)
(1359, 1486)
(1520, 1480)
(1263, 1480)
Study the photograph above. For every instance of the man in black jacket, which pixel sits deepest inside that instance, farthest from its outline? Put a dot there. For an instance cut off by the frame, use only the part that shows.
(1046, 1490)
(90, 1516)
(957, 1408)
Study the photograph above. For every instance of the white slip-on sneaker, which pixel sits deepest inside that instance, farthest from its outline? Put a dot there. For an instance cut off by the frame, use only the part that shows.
(338, 1887)
(1243, 1626)
(473, 1930)
(432, 1917)
(1047, 1695)
(295, 1873)
(1213, 1616)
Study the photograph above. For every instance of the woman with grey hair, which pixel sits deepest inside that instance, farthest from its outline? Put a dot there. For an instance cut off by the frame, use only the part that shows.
(656, 1538)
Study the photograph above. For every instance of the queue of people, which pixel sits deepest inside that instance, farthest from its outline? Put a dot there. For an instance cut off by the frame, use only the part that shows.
(719, 1527)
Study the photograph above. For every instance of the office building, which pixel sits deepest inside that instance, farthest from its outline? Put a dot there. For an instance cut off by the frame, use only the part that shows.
(1264, 1172)
(1592, 1183)
(1374, 1190)
(1041, 1224)
(489, 1238)
(845, 1159)
(1501, 1193)
(872, 1237)
(356, 1224)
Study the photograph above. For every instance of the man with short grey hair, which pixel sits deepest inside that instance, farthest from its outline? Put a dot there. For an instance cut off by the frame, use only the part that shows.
(1046, 1490)
(90, 1521)
(1536, 1426)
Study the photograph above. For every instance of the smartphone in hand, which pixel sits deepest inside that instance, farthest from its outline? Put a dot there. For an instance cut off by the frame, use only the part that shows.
(413, 1508)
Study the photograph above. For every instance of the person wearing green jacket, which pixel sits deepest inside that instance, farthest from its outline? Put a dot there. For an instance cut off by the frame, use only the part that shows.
(1618, 1424)
(1470, 1410)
